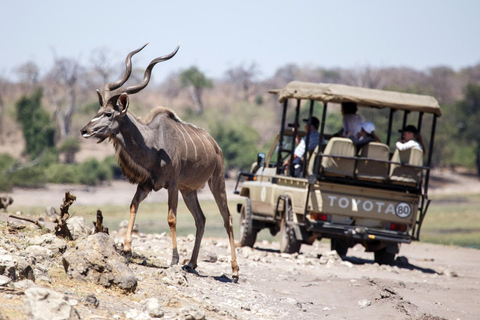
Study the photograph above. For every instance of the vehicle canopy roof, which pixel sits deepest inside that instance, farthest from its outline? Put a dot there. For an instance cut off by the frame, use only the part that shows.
(338, 93)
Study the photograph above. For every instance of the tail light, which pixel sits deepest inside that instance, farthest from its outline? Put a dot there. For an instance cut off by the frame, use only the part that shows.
(396, 227)
(317, 216)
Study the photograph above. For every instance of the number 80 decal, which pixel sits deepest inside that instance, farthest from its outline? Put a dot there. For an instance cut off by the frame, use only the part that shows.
(403, 210)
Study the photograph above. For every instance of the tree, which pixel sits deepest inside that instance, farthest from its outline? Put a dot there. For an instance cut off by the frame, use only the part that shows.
(3, 83)
(244, 77)
(37, 128)
(63, 92)
(469, 116)
(195, 81)
(238, 142)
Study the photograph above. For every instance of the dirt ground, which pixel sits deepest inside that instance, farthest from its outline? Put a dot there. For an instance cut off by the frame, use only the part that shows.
(428, 281)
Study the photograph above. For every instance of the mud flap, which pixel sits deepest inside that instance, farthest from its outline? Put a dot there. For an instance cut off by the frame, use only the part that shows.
(300, 233)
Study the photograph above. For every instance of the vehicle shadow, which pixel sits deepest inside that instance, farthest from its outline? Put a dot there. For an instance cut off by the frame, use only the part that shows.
(401, 263)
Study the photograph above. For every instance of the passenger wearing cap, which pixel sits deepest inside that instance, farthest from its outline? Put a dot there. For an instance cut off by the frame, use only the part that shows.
(411, 138)
(313, 142)
(351, 121)
(365, 136)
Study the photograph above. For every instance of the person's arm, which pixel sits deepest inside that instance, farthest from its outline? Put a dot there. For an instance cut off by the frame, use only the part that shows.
(402, 146)
(299, 151)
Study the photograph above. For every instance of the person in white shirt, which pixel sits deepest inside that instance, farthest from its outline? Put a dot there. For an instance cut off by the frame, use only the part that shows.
(411, 138)
(352, 122)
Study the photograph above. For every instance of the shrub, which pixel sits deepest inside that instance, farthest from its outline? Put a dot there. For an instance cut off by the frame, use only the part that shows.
(61, 173)
(91, 172)
(37, 127)
(238, 142)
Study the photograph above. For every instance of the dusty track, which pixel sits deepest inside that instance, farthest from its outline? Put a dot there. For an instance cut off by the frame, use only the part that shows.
(428, 282)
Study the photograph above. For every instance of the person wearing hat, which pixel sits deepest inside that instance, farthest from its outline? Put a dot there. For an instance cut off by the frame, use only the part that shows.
(351, 121)
(313, 142)
(411, 138)
(365, 136)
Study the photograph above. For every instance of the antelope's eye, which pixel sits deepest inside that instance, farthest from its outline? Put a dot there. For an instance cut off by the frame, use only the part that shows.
(108, 114)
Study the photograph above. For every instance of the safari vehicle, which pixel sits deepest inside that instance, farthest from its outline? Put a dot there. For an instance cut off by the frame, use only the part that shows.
(377, 197)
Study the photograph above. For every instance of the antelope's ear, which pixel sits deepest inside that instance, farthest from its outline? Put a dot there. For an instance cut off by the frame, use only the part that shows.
(100, 98)
(123, 102)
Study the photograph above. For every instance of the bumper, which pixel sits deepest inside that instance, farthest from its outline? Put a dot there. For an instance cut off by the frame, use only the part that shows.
(357, 233)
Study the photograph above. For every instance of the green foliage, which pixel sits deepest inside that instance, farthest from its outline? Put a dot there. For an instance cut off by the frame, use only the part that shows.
(6, 162)
(469, 114)
(194, 77)
(91, 172)
(69, 147)
(36, 124)
(238, 142)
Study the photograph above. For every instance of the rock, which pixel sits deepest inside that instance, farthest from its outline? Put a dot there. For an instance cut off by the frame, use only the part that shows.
(191, 313)
(37, 254)
(7, 266)
(5, 201)
(90, 300)
(330, 257)
(174, 275)
(4, 281)
(94, 258)
(51, 213)
(78, 228)
(46, 304)
(450, 273)
(123, 225)
(24, 284)
(41, 273)
(364, 303)
(50, 241)
(152, 307)
(24, 269)
(136, 315)
(209, 256)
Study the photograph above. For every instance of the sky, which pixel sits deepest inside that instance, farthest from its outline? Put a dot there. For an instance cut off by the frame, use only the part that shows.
(218, 35)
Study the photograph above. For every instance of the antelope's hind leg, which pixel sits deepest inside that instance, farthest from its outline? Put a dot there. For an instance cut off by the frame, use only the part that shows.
(217, 186)
(172, 221)
(191, 200)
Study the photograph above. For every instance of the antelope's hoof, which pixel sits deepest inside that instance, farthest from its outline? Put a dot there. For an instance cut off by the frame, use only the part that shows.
(127, 255)
(188, 268)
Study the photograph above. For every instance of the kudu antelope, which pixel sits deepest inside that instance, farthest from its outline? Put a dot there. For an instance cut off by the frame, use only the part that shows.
(159, 152)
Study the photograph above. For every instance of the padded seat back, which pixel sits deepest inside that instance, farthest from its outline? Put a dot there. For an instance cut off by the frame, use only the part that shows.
(373, 170)
(407, 175)
(337, 166)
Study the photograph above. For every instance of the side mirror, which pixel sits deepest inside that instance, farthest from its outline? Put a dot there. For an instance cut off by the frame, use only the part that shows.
(261, 159)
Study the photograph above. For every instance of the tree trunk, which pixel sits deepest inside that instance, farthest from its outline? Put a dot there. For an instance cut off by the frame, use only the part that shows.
(478, 160)
(195, 95)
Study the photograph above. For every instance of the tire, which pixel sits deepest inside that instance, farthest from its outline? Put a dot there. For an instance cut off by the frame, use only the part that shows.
(384, 256)
(248, 234)
(340, 246)
(288, 240)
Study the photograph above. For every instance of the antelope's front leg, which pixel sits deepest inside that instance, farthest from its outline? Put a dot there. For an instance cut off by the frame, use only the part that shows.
(139, 196)
(172, 221)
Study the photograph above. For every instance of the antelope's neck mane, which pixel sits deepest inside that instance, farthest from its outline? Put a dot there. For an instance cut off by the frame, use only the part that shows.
(134, 172)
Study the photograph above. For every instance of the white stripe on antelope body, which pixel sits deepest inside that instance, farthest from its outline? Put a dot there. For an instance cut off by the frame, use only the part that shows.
(153, 153)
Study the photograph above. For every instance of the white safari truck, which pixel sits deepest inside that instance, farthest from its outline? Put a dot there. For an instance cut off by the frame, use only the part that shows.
(376, 196)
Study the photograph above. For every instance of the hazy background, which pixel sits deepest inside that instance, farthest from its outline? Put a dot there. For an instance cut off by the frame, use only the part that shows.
(216, 35)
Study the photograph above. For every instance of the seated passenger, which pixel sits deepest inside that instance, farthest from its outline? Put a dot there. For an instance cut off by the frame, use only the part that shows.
(313, 142)
(365, 136)
(351, 120)
(410, 138)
